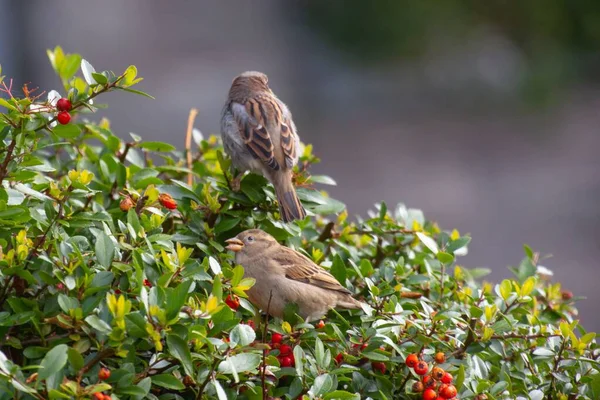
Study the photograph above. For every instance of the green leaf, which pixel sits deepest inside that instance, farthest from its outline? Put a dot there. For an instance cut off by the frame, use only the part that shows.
(136, 92)
(243, 362)
(505, 289)
(67, 303)
(98, 324)
(242, 335)
(55, 360)
(445, 258)
(180, 350)
(323, 384)
(69, 131)
(428, 242)
(457, 244)
(176, 299)
(341, 395)
(167, 381)
(338, 269)
(105, 249)
(99, 78)
(157, 146)
(75, 359)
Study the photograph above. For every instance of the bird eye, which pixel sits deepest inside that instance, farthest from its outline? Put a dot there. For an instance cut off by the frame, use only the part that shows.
(250, 239)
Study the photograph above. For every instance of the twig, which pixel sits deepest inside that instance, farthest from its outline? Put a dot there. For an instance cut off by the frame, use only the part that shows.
(264, 355)
(203, 386)
(101, 355)
(188, 144)
(9, 151)
(327, 232)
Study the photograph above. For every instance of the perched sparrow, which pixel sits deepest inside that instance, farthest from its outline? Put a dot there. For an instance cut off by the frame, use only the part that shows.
(259, 135)
(286, 276)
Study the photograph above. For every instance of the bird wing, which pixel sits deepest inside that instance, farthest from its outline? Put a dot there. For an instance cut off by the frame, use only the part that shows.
(288, 143)
(254, 118)
(302, 269)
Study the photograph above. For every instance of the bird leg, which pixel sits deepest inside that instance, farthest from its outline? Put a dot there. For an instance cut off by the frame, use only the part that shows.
(237, 182)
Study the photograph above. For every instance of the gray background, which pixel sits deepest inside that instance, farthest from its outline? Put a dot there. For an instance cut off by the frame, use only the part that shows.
(445, 132)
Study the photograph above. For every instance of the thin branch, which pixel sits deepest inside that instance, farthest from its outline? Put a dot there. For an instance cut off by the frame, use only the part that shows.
(188, 144)
(265, 391)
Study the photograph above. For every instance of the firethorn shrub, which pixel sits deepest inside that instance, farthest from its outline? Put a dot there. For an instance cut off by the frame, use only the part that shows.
(112, 258)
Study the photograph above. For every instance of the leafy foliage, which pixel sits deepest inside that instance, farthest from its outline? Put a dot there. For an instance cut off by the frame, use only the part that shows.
(99, 268)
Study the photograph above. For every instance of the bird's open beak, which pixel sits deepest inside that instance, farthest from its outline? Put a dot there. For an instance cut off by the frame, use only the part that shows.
(234, 244)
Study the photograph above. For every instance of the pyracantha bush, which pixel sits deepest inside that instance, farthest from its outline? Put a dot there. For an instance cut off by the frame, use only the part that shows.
(114, 282)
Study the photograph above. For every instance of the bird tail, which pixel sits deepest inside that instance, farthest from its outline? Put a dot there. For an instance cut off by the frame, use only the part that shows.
(290, 207)
(349, 302)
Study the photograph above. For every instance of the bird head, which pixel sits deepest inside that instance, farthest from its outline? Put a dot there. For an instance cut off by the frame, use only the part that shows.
(252, 240)
(252, 80)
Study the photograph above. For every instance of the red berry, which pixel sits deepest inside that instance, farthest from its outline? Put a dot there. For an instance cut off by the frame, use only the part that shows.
(320, 325)
(63, 105)
(251, 324)
(447, 378)
(233, 302)
(285, 350)
(276, 338)
(379, 366)
(98, 396)
(285, 361)
(412, 360)
(103, 374)
(429, 394)
(147, 283)
(63, 117)
(421, 368)
(60, 286)
(447, 391)
(107, 397)
(440, 358)
(339, 358)
(117, 291)
(167, 201)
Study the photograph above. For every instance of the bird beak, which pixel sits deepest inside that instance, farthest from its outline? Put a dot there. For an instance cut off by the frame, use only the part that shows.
(234, 244)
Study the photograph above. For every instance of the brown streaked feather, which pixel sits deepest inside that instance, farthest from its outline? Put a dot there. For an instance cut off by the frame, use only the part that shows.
(288, 144)
(255, 135)
(302, 269)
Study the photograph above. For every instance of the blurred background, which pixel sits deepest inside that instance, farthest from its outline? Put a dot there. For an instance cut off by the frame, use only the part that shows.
(486, 115)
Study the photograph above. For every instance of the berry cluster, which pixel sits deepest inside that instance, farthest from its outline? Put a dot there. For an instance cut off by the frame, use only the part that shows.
(435, 384)
(285, 357)
(103, 375)
(63, 106)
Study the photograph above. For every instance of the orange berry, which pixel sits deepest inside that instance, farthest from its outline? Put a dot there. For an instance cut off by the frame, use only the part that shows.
(418, 387)
(412, 360)
(167, 201)
(440, 358)
(98, 396)
(437, 373)
(320, 325)
(126, 204)
(104, 374)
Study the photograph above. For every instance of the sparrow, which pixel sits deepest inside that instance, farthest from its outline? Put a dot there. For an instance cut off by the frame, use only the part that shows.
(260, 136)
(285, 276)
